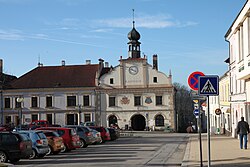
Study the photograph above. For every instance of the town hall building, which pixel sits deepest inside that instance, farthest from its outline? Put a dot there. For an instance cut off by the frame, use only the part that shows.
(133, 95)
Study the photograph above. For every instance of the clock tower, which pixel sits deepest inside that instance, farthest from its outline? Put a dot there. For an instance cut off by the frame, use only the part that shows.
(134, 44)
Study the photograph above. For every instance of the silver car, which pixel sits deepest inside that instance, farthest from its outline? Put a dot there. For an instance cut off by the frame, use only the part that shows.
(40, 145)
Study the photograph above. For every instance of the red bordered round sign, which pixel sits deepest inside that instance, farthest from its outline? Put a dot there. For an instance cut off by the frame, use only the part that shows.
(193, 80)
(218, 111)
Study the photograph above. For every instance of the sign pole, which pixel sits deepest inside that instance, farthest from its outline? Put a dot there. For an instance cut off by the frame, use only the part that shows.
(208, 133)
(199, 131)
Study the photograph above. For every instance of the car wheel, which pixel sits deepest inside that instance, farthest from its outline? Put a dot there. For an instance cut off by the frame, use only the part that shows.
(33, 154)
(14, 160)
(83, 144)
(3, 157)
(41, 155)
(56, 152)
(50, 151)
(64, 149)
(100, 141)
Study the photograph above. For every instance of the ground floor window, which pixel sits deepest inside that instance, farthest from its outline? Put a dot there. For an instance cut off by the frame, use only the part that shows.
(159, 120)
(49, 118)
(87, 118)
(7, 119)
(34, 117)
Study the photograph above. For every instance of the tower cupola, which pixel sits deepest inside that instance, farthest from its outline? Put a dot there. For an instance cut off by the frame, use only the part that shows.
(134, 50)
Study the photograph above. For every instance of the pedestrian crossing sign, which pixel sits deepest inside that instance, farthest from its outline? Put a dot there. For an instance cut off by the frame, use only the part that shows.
(208, 85)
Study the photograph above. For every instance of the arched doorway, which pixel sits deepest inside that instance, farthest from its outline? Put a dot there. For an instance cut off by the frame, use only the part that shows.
(112, 120)
(138, 122)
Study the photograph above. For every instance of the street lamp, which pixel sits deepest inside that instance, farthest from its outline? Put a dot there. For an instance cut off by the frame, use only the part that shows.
(79, 107)
(20, 100)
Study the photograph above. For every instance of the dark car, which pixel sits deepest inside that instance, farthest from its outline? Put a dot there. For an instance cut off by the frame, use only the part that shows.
(84, 133)
(114, 133)
(104, 132)
(14, 146)
(40, 145)
(70, 138)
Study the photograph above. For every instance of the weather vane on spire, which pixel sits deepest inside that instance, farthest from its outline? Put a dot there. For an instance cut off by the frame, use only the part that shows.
(133, 17)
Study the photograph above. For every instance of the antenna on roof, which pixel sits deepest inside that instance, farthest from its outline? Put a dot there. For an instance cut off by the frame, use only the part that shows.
(133, 17)
(39, 62)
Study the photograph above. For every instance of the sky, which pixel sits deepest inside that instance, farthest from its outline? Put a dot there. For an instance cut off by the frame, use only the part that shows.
(187, 35)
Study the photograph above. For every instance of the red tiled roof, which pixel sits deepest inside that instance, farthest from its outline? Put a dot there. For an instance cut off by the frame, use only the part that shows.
(58, 76)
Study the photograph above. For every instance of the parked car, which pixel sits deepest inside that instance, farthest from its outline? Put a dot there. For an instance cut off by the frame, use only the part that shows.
(40, 145)
(38, 123)
(70, 139)
(84, 133)
(21, 127)
(54, 140)
(14, 146)
(114, 133)
(88, 123)
(104, 132)
(97, 136)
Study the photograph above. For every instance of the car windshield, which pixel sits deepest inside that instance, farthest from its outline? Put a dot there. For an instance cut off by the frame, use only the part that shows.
(60, 132)
(24, 137)
(72, 132)
(54, 134)
(41, 135)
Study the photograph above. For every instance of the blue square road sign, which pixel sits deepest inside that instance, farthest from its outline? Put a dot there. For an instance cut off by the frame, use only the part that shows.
(208, 85)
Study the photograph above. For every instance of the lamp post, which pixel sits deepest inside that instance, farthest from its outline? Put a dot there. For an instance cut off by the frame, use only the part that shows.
(20, 100)
(79, 107)
(80, 111)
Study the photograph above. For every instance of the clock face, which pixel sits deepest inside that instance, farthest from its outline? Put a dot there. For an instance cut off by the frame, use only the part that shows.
(133, 70)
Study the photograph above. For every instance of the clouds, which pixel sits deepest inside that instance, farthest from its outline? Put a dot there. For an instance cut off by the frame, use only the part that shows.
(14, 35)
(145, 21)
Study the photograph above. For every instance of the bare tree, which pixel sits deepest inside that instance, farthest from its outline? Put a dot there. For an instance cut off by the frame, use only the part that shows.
(183, 107)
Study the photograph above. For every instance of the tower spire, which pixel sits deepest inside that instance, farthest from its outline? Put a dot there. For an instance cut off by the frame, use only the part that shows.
(133, 18)
(134, 44)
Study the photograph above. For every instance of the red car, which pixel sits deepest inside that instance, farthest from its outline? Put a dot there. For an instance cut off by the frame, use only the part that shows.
(38, 123)
(70, 139)
(104, 132)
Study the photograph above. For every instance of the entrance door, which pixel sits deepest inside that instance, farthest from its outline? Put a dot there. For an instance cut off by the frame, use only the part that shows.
(138, 122)
(72, 119)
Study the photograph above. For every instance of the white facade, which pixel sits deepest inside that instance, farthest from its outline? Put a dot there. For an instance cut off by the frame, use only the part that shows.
(58, 113)
(145, 83)
(238, 37)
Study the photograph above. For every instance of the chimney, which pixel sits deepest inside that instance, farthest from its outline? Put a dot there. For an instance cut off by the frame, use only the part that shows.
(63, 62)
(106, 64)
(88, 62)
(101, 63)
(1, 66)
(155, 62)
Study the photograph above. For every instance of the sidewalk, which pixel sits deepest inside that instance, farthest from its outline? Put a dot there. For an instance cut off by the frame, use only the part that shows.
(225, 151)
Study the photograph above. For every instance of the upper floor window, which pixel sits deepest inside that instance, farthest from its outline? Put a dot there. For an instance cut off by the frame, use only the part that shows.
(71, 101)
(111, 80)
(158, 100)
(48, 101)
(34, 102)
(137, 100)
(86, 100)
(111, 101)
(17, 104)
(7, 102)
(155, 80)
